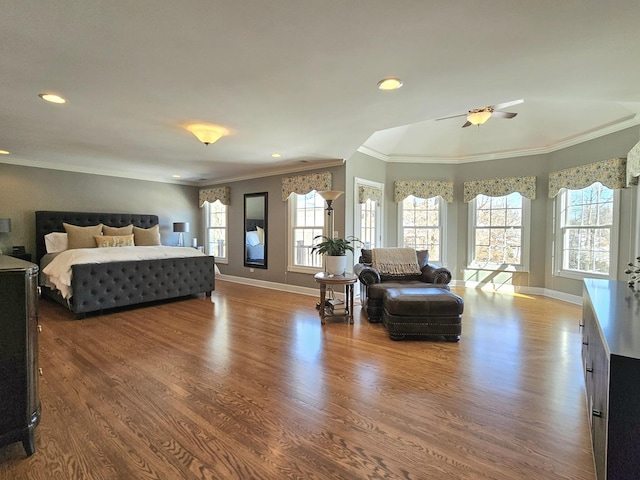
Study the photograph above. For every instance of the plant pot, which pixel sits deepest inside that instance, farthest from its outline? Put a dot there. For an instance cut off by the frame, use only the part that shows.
(336, 265)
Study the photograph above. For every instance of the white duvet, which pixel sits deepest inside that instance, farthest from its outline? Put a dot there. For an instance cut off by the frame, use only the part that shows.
(58, 272)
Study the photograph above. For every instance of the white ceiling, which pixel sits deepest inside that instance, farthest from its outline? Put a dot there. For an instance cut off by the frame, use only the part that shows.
(299, 77)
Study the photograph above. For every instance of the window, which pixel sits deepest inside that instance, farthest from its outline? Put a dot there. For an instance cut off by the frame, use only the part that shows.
(368, 211)
(306, 221)
(216, 225)
(499, 232)
(586, 231)
(421, 225)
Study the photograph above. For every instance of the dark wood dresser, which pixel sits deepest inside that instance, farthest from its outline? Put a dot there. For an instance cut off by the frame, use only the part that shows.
(19, 401)
(611, 360)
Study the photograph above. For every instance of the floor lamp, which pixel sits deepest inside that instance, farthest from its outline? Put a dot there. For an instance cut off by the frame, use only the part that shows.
(329, 196)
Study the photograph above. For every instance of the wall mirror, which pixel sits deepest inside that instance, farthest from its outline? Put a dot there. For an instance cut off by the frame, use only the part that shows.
(255, 230)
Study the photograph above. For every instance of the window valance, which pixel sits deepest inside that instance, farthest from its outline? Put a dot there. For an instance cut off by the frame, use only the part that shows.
(366, 192)
(422, 189)
(633, 165)
(611, 173)
(212, 194)
(499, 187)
(303, 184)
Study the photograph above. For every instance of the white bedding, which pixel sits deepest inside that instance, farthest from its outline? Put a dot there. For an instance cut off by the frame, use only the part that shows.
(58, 271)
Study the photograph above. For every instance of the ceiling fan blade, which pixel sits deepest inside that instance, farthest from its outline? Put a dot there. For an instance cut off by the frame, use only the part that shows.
(504, 114)
(500, 106)
(452, 116)
(467, 124)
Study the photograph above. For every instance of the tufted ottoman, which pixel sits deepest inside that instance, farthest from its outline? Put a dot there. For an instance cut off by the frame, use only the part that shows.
(422, 313)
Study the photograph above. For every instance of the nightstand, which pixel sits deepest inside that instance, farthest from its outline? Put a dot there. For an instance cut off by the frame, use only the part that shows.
(22, 256)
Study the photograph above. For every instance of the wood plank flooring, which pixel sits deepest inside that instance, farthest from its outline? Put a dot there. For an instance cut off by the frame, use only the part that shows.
(249, 385)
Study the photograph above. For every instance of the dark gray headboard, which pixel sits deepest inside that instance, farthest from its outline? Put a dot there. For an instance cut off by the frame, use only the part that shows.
(48, 221)
(252, 223)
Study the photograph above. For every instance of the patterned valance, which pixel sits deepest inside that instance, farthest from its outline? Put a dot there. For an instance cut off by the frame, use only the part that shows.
(303, 184)
(422, 189)
(633, 165)
(366, 192)
(611, 173)
(499, 187)
(212, 194)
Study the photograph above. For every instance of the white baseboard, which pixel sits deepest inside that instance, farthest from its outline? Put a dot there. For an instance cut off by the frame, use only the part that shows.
(313, 292)
(545, 292)
(283, 287)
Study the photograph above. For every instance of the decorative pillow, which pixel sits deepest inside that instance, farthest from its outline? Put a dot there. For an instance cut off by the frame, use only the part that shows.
(253, 238)
(365, 256)
(82, 237)
(114, 240)
(145, 237)
(107, 230)
(260, 231)
(56, 242)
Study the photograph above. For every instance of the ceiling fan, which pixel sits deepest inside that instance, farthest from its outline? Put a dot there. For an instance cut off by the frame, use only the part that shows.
(479, 116)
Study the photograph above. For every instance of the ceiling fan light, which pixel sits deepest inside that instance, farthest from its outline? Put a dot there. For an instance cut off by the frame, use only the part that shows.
(207, 133)
(478, 118)
(389, 84)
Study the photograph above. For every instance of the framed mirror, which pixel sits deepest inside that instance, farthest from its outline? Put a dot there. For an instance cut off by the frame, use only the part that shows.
(255, 230)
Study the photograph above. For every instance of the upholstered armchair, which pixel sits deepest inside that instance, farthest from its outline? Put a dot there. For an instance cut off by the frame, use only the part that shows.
(373, 282)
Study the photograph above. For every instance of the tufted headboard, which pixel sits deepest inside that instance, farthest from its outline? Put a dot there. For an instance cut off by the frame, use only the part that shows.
(49, 221)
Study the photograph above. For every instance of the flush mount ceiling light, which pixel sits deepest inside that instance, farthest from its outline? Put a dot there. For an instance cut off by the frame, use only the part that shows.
(389, 84)
(206, 132)
(4, 152)
(52, 98)
(276, 155)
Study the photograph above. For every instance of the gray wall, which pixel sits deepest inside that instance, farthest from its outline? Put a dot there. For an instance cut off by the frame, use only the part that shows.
(542, 211)
(23, 190)
(277, 232)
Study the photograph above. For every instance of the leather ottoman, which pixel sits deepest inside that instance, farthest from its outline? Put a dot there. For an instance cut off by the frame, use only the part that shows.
(422, 313)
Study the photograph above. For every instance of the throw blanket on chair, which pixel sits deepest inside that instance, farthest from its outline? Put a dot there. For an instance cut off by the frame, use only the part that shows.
(395, 261)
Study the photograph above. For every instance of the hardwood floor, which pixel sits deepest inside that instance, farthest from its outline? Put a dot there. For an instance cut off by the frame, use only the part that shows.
(248, 385)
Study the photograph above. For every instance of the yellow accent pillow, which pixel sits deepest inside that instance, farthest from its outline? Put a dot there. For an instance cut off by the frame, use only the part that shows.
(82, 237)
(114, 240)
(145, 237)
(260, 231)
(107, 230)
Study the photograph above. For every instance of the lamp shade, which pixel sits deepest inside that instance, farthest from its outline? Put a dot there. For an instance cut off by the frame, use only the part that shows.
(330, 195)
(181, 227)
(5, 225)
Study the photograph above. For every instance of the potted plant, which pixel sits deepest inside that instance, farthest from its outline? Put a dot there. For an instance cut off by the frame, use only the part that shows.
(335, 251)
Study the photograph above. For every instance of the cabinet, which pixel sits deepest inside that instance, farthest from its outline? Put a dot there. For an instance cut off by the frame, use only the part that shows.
(19, 400)
(611, 361)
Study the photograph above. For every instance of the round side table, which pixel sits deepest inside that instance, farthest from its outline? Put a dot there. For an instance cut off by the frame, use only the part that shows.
(324, 279)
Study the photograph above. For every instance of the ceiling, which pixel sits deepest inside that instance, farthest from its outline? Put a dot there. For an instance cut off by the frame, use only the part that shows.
(299, 77)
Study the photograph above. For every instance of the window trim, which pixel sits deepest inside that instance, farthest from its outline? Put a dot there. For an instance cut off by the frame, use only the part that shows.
(379, 210)
(442, 205)
(524, 266)
(291, 267)
(558, 237)
(207, 213)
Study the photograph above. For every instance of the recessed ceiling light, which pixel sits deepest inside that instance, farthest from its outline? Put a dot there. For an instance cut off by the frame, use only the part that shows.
(176, 176)
(389, 84)
(4, 152)
(276, 155)
(52, 98)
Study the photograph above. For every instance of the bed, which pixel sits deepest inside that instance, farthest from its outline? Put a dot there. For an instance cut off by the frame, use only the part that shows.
(100, 286)
(254, 241)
